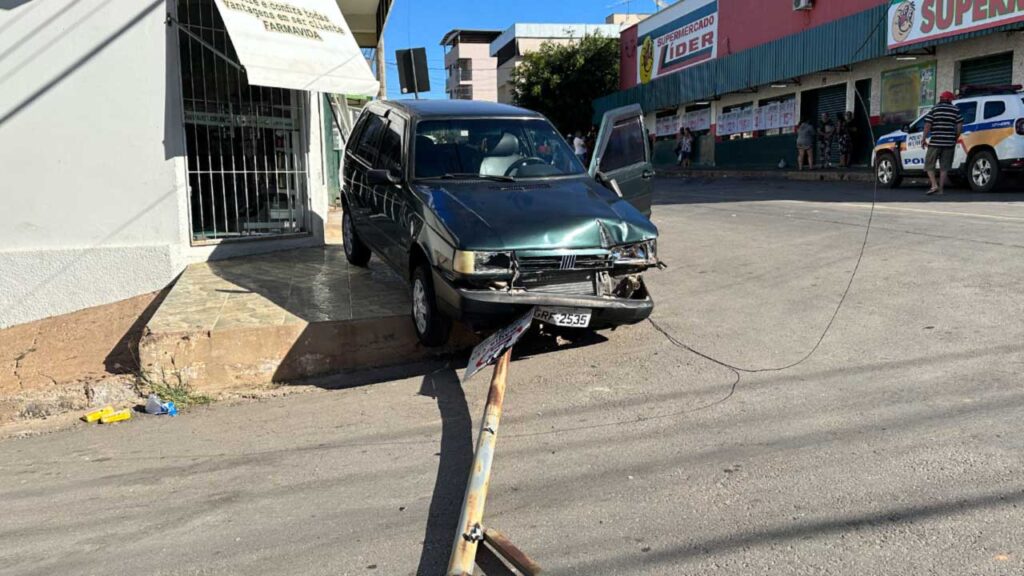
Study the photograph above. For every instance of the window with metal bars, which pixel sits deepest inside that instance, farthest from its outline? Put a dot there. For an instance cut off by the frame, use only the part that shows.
(246, 167)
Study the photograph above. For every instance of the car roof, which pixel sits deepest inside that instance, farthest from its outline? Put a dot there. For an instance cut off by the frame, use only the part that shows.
(421, 109)
(1014, 97)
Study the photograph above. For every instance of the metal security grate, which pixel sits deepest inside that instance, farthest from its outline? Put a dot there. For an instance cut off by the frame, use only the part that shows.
(247, 173)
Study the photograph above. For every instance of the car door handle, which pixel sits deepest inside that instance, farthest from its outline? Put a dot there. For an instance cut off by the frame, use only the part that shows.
(647, 174)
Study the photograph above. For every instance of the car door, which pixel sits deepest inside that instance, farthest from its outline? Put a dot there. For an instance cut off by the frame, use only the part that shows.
(622, 156)
(390, 203)
(912, 158)
(360, 155)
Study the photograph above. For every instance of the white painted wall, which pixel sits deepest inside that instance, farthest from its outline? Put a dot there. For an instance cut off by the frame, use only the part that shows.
(93, 187)
(89, 139)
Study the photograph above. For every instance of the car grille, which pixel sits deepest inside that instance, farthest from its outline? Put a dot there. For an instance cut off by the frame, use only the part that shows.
(529, 264)
(574, 285)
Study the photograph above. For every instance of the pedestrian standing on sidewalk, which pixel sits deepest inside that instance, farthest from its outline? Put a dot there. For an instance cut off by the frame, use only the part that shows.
(843, 140)
(684, 147)
(942, 128)
(826, 133)
(579, 147)
(805, 145)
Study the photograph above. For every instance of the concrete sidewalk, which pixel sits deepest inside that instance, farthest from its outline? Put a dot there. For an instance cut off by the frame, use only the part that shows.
(280, 317)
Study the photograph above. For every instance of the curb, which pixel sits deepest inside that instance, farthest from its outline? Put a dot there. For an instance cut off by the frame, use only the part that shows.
(807, 176)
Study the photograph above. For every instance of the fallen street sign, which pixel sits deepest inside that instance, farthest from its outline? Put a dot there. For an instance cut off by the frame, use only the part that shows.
(488, 351)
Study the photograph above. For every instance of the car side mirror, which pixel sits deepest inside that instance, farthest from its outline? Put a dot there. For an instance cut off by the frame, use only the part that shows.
(906, 128)
(382, 177)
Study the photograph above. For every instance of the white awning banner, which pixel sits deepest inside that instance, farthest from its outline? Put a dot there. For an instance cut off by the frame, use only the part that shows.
(297, 44)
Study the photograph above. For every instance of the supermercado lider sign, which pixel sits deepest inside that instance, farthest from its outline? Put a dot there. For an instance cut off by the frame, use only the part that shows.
(914, 21)
(678, 37)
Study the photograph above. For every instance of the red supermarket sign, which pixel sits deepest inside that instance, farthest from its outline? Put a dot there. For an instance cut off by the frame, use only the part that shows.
(680, 36)
(914, 21)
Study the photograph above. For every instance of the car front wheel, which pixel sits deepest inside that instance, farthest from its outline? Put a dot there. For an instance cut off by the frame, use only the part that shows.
(983, 171)
(887, 171)
(432, 327)
(357, 253)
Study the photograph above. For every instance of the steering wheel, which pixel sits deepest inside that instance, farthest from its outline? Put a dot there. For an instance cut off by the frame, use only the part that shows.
(523, 163)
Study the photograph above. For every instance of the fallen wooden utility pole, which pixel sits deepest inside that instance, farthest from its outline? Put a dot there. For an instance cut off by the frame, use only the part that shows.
(471, 531)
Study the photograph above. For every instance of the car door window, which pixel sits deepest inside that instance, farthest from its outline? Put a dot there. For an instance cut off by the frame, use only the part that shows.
(390, 157)
(625, 145)
(916, 126)
(366, 146)
(969, 111)
(994, 108)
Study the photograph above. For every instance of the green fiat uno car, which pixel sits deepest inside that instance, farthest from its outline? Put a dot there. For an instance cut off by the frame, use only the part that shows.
(484, 209)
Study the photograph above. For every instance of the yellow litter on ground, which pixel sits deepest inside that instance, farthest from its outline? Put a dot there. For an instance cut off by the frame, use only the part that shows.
(118, 416)
(95, 415)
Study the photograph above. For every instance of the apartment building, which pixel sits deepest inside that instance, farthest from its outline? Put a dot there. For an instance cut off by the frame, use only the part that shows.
(521, 39)
(470, 69)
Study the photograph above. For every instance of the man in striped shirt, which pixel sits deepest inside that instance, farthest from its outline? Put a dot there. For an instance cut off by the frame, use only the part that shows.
(942, 127)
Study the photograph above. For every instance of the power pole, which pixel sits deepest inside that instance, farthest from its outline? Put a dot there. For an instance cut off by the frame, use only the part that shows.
(381, 69)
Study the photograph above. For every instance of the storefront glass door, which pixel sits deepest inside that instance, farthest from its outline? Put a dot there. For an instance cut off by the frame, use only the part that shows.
(246, 164)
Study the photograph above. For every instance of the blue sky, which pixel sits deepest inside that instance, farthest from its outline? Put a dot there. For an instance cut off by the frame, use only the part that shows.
(422, 23)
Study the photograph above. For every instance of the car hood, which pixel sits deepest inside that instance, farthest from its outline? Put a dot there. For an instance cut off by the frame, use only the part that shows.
(551, 214)
(895, 136)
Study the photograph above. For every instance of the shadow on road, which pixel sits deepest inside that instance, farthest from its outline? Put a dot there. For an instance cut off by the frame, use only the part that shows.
(456, 457)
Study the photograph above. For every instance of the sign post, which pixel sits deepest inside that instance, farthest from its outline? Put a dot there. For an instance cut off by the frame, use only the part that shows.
(470, 532)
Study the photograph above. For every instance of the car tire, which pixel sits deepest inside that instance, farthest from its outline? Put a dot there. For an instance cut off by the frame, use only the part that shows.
(983, 171)
(887, 171)
(432, 327)
(357, 253)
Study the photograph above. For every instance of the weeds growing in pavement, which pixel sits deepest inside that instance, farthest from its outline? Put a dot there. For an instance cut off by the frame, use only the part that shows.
(170, 387)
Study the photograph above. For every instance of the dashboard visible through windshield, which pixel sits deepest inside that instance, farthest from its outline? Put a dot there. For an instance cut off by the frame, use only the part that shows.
(492, 148)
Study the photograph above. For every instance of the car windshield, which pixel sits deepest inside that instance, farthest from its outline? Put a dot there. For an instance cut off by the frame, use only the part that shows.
(492, 148)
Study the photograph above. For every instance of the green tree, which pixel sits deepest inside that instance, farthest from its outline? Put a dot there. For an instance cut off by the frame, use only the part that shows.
(561, 81)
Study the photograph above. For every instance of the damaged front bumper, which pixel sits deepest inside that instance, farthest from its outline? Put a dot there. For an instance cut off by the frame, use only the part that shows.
(487, 308)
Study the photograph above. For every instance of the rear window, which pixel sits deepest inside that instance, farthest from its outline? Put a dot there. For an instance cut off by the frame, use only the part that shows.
(994, 108)
(366, 146)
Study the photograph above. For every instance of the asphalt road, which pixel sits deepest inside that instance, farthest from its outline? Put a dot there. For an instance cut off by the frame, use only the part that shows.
(896, 448)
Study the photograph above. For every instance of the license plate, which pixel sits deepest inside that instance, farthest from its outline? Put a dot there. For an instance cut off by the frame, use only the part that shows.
(567, 317)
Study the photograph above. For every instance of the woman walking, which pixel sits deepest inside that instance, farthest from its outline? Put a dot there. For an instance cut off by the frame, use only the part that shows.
(684, 147)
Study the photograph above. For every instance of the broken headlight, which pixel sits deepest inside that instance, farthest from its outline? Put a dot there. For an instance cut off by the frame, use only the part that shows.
(640, 254)
(482, 262)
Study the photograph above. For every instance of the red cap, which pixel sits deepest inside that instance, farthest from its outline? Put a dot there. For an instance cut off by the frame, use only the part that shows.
(946, 96)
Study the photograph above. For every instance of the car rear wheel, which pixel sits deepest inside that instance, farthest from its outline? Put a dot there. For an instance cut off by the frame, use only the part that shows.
(357, 253)
(983, 171)
(432, 326)
(887, 171)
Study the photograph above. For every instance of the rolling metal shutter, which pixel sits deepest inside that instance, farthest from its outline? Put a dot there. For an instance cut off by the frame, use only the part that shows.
(991, 70)
(833, 101)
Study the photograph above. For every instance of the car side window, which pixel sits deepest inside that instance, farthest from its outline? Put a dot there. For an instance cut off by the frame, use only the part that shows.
(994, 108)
(625, 145)
(366, 145)
(969, 111)
(916, 126)
(390, 157)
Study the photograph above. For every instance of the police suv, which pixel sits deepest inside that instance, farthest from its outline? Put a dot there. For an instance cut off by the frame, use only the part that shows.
(992, 141)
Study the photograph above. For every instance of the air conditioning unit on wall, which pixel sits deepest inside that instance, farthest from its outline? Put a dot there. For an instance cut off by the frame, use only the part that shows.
(803, 4)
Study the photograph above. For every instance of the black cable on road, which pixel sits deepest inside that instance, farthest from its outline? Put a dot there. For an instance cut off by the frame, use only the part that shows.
(853, 275)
